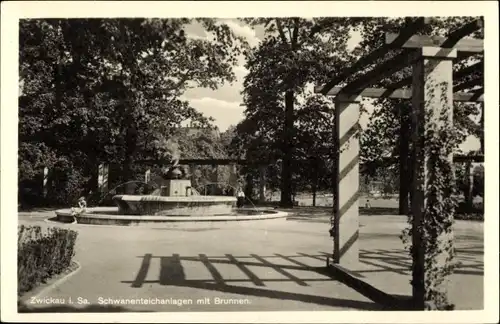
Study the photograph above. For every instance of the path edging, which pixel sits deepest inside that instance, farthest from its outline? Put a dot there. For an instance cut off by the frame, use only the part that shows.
(24, 300)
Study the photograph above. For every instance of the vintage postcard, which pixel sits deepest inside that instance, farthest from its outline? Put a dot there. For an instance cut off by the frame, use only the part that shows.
(237, 161)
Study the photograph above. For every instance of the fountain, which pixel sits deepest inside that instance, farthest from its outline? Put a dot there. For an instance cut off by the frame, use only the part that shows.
(174, 201)
(175, 197)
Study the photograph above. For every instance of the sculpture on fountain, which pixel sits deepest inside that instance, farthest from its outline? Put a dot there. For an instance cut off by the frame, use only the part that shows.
(175, 178)
(175, 197)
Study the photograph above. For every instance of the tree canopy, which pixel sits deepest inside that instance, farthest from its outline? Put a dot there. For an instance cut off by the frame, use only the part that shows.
(109, 90)
(295, 53)
(280, 123)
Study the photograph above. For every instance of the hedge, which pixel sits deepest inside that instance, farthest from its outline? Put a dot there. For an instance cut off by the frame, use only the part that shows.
(42, 254)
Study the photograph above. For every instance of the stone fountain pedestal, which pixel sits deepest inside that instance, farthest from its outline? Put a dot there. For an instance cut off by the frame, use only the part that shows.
(175, 199)
(176, 188)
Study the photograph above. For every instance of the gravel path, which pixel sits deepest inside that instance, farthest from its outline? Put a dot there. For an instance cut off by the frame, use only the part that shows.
(266, 265)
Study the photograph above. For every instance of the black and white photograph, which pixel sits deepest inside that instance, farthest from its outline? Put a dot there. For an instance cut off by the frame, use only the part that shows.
(250, 161)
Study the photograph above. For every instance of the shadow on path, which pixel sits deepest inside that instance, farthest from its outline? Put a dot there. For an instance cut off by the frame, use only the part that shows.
(398, 261)
(172, 274)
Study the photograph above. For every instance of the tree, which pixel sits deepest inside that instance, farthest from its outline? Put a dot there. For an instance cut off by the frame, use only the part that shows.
(388, 132)
(294, 53)
(124, 93)
(315, 144)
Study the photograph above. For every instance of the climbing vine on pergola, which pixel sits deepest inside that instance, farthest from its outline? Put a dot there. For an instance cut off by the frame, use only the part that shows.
(432, 87)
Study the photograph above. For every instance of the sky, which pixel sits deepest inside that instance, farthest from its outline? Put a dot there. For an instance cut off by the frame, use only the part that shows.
(225, 103)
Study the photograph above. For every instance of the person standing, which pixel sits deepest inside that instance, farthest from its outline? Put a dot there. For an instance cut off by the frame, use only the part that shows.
(240, 196)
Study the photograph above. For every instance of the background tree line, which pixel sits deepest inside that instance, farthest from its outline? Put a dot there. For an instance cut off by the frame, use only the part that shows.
(289, 125)
(108, 91)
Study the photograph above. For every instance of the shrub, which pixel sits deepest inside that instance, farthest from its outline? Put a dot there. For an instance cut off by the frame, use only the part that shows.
(42, 254)
(478, 188)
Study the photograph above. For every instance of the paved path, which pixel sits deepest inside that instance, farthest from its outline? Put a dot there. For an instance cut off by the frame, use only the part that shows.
(261, 265)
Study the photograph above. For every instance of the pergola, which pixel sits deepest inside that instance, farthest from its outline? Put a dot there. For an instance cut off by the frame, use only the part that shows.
(432, 88)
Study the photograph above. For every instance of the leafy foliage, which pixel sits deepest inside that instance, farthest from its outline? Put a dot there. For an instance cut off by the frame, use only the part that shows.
(295, 53)
(42, 254)
(107, 90)
(385, 122)
(437, 209)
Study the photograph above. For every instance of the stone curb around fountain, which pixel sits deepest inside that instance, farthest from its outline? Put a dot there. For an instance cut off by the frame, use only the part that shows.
(190, 199)
(102, 218)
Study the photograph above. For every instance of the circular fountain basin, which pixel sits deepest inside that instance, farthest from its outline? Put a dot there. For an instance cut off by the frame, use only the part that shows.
(113, 216)
(186, 206)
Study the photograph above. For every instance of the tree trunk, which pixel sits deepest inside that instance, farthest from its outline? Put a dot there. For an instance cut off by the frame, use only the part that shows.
(481, 137)
(287, 149)
(130, 143)
(404, 170)
(470, 183)
(249, 186)
(93, 156)
(411, 167)
(315, 181)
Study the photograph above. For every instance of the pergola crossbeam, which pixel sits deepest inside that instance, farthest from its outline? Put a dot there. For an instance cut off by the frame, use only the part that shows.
(383, 70)
(470, 46)
(457, 75)
(457, 158)
(455, 36)
(454, 40)
(404, 94)
(400, 84)
(474, 68)
(364, 61)
(461, 158)
(468, 84)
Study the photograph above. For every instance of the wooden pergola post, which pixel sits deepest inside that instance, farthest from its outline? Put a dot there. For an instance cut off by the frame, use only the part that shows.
(315, 180)
(404, 167)
(262, 183)
(102, 178)
(45, 181)
(248, 190)
(215, 179)
(192, 170)
(432, 99)
(481, 123)
(346, 184)
(469, 180)
(233, 178)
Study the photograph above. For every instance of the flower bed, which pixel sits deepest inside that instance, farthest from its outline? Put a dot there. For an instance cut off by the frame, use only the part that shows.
(42, 254)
